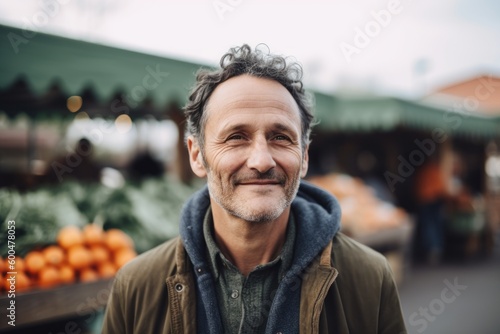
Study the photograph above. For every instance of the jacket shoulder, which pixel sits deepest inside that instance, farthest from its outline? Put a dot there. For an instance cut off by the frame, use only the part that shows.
(364, 292)
(139, 297)
(354, 257)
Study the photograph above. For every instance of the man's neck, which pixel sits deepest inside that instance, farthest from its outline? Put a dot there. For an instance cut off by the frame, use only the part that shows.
(248, 244)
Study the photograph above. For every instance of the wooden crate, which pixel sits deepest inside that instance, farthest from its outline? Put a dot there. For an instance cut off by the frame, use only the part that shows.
(69, 301)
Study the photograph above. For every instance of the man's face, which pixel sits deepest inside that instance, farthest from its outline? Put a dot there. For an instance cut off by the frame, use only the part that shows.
(252, 158)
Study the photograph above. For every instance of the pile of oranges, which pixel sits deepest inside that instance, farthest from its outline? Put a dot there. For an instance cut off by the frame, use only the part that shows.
(80, 255)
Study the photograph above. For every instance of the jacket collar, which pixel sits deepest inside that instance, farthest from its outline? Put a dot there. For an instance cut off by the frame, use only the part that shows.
(318, 220)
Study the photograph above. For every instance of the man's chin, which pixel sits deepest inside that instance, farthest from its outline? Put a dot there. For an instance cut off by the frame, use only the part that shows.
(260, 217)
(262, 199)
(262, 209)
(260, 188)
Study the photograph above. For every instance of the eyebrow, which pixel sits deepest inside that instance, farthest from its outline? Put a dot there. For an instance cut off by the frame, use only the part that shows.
(282, 127)
(275, 126)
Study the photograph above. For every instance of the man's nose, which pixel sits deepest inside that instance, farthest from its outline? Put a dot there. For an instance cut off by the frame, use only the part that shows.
(260, 157)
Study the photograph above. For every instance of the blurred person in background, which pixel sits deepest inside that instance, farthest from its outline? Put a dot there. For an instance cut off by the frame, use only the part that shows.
(371, 169)
(259, 250)
(431, 192)
(78, 165)
(145, 165)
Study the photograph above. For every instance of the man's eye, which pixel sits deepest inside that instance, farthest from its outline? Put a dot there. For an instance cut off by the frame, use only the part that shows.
(281, 137)
(235, 137)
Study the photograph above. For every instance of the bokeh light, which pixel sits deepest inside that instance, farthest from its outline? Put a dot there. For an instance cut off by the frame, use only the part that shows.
(123, 123)
(74, 103)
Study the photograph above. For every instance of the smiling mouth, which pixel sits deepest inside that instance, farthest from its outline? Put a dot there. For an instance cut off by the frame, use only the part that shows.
(260, 183)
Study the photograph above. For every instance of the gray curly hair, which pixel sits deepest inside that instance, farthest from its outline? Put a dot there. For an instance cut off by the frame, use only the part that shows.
(258, 63)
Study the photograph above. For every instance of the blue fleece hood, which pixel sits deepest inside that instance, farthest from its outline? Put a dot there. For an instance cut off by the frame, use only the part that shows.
(317, 220)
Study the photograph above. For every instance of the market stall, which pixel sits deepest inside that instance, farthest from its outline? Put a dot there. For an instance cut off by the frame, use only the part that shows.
(384, 141)
(55, 93)
(69, 240)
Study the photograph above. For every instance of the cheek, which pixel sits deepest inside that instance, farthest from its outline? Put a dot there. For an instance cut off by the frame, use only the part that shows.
(291, 160)
(223, 163)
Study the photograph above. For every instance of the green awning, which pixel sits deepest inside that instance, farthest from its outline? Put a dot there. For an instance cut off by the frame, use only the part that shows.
(76, 65)
(385, 114)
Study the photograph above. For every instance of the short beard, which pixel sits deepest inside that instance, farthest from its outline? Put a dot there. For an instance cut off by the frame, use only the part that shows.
(253, 217)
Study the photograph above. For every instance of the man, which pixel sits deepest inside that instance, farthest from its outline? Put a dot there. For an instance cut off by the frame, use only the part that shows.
(259, 251)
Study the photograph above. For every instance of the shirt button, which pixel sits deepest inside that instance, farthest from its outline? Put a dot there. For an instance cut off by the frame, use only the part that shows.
(235, 294)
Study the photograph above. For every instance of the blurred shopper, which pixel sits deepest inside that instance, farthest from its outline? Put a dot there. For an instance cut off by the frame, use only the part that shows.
(78, 165)
(370, 171)
(144, 166)
(259, 251)
(431, 193)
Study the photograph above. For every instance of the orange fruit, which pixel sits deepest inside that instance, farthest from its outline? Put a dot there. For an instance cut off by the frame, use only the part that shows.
(88, 275)
(116, 239)
(20, 264)
(67, 274)
(48, 277)
(123, 256)
(2, 265)
(22, 281)
(17, 266)
(54, 255)
(79, 257)
(99, 254)
(106, 270)
(35, 261)
(93, 234)
(70, 236)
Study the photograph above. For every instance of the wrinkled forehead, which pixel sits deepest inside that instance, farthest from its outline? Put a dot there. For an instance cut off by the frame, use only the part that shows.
(248, 92)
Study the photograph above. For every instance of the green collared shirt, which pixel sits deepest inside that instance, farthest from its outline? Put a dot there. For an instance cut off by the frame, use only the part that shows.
(245, 302)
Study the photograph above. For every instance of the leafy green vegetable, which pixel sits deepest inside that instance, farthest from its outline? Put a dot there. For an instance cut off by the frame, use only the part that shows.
(148, 211)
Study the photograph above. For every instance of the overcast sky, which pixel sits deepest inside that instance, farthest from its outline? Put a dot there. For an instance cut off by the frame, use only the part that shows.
(390, 47)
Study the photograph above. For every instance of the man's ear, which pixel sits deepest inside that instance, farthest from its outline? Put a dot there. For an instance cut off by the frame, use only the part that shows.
(195, 157)
(305, 162)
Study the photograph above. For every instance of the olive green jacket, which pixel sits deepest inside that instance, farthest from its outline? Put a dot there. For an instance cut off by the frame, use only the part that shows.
(349, 288)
